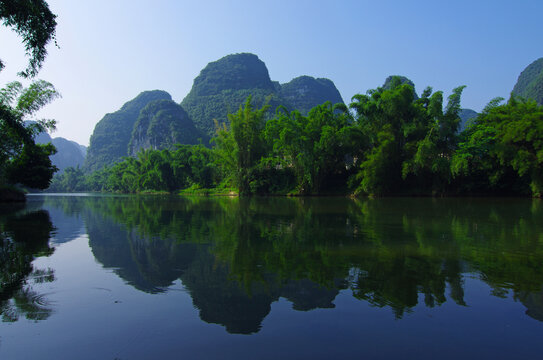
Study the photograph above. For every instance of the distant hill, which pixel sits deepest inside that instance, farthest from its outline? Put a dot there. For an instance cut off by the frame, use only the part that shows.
(530, 82)
(223, 85)
(153, 121)
(109, 141)
(305, 92)
(161, 124)
(69, 153)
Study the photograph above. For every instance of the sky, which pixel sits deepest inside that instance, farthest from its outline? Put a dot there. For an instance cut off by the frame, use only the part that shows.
(110, 51)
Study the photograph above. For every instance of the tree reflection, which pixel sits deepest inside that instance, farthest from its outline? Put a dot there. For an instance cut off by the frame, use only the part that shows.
(238, 255)
(23, 236)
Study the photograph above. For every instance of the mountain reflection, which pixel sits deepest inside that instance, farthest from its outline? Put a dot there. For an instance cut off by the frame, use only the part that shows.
(24, 235)
(237, 256)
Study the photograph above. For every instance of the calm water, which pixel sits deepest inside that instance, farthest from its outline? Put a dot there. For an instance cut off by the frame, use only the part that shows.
(104, 277)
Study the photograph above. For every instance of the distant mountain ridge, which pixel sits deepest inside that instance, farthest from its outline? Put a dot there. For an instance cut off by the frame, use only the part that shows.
(223, 85)
(152, 120)
(69, 153)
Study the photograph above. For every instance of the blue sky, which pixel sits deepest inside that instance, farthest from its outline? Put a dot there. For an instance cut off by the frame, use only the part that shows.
(110, 51)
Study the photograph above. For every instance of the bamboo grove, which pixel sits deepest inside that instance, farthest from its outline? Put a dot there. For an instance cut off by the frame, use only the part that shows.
(386, 142)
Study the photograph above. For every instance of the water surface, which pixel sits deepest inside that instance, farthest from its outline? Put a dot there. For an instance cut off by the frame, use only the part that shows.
(128, 277)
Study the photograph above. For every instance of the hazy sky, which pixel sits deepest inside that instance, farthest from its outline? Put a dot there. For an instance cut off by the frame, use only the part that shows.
(110, 51)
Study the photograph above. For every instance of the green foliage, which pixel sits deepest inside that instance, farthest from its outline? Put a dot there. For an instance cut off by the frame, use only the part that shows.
(32, 167)
(381, 115)
(393, 142)
(72, 179)
(244, 140)
(154, 170)
(21, 160)
(315, 146)
(504, 141)
(35, 23)
(410, 140)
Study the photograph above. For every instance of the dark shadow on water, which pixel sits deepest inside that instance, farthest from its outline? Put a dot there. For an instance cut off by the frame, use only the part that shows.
(24, 235)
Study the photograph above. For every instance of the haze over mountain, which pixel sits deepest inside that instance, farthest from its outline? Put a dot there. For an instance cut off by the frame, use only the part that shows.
(69, 153)
(530, 82)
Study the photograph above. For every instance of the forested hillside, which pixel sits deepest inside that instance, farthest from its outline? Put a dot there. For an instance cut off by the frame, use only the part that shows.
(162, 124)
(224, 84)
(109, 141)
(153, 120)
(305, 92)
(530, 82)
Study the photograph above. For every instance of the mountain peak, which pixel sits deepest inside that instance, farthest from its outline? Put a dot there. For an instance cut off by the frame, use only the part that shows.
(232, 72)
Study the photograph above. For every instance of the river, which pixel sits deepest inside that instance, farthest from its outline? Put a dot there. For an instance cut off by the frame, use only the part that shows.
(162, 277)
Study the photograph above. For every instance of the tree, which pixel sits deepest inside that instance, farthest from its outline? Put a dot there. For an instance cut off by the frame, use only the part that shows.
(505, 145)
(431, 161)
(244, 141)
(21, 159)
(315, 146)
(35, 23)
(407, 141)
(32, 167)
(382, 116)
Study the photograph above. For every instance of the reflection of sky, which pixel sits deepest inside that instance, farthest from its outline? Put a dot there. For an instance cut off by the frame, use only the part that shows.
(67, 227)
